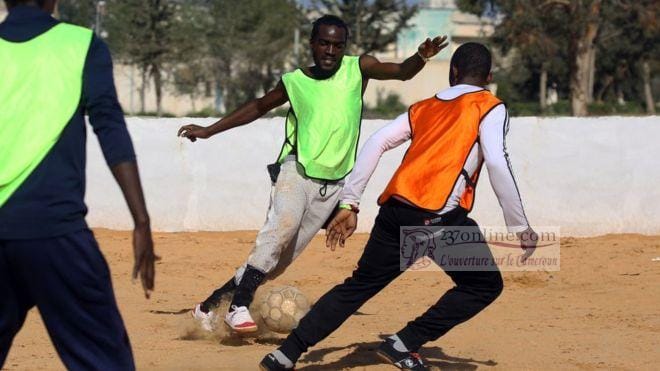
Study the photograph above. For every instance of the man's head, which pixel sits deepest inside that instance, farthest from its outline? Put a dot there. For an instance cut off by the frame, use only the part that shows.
(471, 64)
(45, 5)
(328, 42)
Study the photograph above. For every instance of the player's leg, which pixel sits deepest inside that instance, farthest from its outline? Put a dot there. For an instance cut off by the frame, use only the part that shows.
(288, 204)
(322, 202)
(204, 312)
(15, 301)
(71, 285)
(216, 296)
(473, 292)
(377, 267)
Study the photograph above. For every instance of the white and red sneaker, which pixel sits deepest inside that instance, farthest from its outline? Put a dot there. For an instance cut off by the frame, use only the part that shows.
(240, 320)
(206, 320)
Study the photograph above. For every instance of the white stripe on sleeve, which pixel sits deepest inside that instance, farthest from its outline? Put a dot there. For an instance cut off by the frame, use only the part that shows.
(492, 132)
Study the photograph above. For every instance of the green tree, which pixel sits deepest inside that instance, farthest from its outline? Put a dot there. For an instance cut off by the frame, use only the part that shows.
(146, 34)
(628, 45)
(190, 69)
(250, 43)
(605, 43)
(582, 18)
(79, 12)
(536, 40)
(374, 24)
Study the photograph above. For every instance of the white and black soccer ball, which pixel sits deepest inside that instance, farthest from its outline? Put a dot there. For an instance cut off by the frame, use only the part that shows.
(283, 307)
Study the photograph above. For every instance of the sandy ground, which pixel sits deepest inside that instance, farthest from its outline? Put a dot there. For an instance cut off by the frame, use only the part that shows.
(601, 311)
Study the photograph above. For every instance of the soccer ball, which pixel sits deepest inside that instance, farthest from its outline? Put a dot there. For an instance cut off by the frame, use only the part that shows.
(283, 307)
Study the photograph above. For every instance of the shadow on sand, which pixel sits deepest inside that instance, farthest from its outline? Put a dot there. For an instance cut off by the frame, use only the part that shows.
(175, 312)
(364, 354)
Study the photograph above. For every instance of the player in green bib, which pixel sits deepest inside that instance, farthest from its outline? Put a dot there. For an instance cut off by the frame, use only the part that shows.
(319, 150)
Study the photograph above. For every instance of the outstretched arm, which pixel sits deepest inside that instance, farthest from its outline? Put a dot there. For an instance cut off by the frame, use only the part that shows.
(244, 114)
(492, 133)
(390, 136)
(372, 68)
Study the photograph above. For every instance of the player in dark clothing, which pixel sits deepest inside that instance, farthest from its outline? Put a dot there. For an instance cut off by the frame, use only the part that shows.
(52, 74)
(452, 135)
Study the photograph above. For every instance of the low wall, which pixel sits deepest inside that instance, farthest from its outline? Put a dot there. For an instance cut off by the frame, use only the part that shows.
(590, 176)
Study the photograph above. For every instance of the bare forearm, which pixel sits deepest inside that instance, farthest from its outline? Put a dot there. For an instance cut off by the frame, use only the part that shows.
(127, 176)
(411, 66)
(245, 114)
(374, 69)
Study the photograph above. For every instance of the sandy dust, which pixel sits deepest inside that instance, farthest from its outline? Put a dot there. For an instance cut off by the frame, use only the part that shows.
(601, 311)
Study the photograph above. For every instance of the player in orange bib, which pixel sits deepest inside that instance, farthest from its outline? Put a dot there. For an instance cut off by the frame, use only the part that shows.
(452, 134)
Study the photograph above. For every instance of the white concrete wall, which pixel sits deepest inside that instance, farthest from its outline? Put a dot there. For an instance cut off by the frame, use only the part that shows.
(590, 176)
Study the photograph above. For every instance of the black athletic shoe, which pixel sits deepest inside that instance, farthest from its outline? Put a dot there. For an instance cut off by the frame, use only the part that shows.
(270, 363)
(402, 360)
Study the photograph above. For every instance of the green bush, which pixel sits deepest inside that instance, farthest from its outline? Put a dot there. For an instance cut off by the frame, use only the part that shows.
(523, 108)
(563, 108)
(613, 108)
(154, 114)
(204, 112)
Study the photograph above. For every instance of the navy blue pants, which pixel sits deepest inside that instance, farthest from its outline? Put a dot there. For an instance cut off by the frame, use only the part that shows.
(68, 280)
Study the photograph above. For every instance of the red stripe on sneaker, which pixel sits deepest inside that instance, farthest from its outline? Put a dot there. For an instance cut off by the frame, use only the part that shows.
(246, 324)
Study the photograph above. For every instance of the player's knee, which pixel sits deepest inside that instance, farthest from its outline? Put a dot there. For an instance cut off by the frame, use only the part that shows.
(367, 281)
(495, 287)
(10, 322)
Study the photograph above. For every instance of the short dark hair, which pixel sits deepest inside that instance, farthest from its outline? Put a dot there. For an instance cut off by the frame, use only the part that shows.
(472, 60)
(13, 3)
(328, 20)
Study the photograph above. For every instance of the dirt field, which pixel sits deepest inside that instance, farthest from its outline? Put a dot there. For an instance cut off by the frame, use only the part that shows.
(601, 311)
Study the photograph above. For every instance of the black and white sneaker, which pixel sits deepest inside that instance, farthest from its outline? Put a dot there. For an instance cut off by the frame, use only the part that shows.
(270, 363)
(402, 360)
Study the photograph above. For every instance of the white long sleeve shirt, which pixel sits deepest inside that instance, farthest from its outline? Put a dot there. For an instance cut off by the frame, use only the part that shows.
(491, 148)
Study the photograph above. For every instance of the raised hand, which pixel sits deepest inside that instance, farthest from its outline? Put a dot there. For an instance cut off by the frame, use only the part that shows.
(430, 48)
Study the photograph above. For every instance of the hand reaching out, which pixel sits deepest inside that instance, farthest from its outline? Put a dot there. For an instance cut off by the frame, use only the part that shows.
(193, 132)
(340, 228)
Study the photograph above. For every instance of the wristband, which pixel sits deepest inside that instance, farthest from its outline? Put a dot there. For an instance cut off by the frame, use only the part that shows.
(423, 57)
(350, 207)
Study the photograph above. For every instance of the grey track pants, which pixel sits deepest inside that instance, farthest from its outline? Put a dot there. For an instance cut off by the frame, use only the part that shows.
(299, 206)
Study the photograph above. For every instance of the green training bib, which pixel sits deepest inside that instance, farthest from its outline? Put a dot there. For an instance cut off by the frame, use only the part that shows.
(40, 90)
(323, 124)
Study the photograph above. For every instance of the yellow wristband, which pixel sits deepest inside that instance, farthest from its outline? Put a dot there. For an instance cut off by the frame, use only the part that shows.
(350, 207)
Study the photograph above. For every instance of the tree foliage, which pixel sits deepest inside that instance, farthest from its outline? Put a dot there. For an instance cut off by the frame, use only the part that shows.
(79, 12)
(147, 34)
(374, 24)
(249, 43)
(594, 46)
